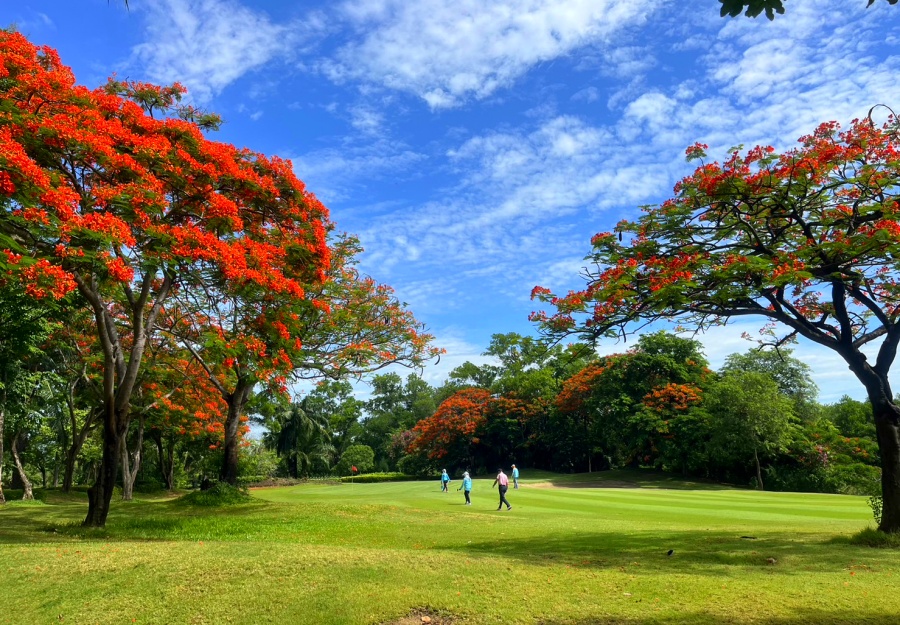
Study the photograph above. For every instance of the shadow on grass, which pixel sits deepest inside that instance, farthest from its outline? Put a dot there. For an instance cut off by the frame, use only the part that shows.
(695, 552)
(154, 519)
(809, 616)
(624, 478)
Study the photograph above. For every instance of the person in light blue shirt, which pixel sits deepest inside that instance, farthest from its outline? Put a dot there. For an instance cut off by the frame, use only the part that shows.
(445, 480)
(466, 487)
(515, 476)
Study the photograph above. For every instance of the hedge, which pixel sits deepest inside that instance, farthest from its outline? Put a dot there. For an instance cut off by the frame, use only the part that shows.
(368, 478)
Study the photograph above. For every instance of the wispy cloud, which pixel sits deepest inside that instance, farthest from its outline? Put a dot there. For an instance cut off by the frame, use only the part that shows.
(33, 21)
(208, 44)
(340, 173)
(448, 51)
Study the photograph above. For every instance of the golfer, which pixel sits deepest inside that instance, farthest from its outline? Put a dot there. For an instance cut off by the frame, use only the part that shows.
(503, 481)
(466, 487)
(515, 476)
(445, 479)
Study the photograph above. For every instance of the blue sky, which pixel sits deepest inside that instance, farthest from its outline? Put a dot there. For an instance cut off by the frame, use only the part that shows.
(476, 146)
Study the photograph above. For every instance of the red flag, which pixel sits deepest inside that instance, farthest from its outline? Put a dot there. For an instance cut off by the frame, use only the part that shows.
(354, 469)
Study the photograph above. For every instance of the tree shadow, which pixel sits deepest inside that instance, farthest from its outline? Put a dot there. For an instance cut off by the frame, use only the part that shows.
(695, 552)
(805, 616)
(151, 520)
(632, 478)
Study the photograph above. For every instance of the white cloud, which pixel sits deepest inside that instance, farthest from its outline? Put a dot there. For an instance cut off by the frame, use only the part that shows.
(829, 371)
(207, 44)
(448, 51)
(367, 120)
(35, 21)
(459, 351)
(335, 173)
(588, 94)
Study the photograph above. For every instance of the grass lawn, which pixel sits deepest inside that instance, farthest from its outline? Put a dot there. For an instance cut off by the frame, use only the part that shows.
(568, 552)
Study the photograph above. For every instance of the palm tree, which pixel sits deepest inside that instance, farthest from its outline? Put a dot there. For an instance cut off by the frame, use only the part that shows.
(301, 437)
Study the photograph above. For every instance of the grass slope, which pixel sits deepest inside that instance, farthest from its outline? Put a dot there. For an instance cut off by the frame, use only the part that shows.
(567, 553)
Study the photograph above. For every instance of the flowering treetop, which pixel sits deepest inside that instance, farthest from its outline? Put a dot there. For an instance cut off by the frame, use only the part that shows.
(808, 238)
(119, 186)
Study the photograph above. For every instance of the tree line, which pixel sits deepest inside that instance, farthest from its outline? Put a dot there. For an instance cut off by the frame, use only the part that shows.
(756, 421)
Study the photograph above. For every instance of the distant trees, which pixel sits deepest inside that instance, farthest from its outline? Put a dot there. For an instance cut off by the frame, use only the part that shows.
(753, 419)
(623, 406)
(301, 437)
(792, 376)
(24, 327)
(451, 433)
(395, 406)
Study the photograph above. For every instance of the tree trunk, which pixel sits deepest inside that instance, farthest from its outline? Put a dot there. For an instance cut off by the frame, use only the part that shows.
(166, 460)
(236, 402)
(119, 379)
(131, 463)
(127, 475)
(69, 468)
(887, 431)
(100, 494)
(2, 423)
(292, 465)
(229, 472)
(78, 438)
(27, 494)
(759, 481)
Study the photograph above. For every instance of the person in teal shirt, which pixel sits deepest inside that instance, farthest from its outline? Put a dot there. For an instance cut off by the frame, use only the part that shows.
(466, 487)
(445, 479)
(515, 476)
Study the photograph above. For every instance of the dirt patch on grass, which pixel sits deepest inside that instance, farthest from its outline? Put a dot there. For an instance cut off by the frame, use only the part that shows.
(587, 484)
(424, 616)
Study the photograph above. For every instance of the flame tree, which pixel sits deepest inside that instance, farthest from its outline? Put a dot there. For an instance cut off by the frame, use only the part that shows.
(451, 432)
(807, 240)
(346, 325)
(116, 193)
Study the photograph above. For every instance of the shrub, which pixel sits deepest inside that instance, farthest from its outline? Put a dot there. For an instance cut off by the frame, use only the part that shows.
(255, 460)
(847, 479)
(360, 456)
(876, 502)
(289, 481)
(871, 537)
(797, 479)
(248, 480)
(15, 494)
(380, 477)
(221, 494)
(853, 479)
(416, 464)
(149, 485)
